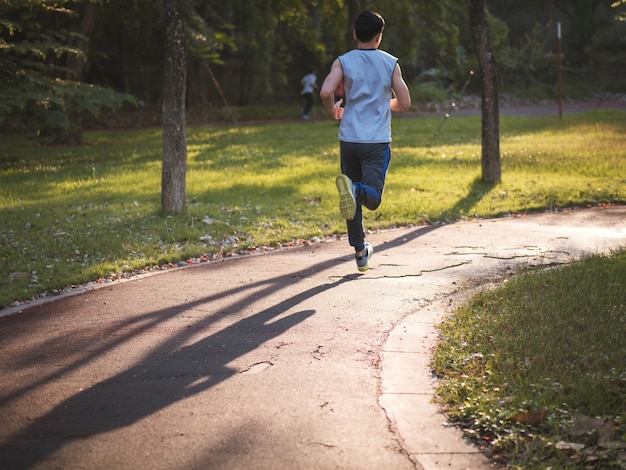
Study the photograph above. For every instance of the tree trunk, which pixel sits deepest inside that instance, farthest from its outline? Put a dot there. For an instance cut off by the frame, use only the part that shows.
(354, 8)
(490, 106)
(76, 63)
(173, 195)
(72, 133)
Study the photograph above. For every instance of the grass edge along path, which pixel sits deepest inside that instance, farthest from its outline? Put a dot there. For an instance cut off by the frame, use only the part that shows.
(534, 371)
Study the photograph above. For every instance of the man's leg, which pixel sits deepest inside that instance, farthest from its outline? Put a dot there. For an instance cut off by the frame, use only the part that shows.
(366, 165)
(308, 97)
(374, 166)
(351, 167)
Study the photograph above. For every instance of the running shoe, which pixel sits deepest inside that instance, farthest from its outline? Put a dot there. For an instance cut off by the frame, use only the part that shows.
(362, 262)
(347, 199)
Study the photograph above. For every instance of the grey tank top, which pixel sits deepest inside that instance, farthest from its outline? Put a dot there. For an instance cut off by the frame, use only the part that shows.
(367, 84)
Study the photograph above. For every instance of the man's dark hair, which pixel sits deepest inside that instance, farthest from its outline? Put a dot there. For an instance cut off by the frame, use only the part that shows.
(367, 25)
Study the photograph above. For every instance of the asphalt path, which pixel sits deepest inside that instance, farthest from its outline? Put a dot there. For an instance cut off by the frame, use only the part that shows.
(528, 109)
(285, 360)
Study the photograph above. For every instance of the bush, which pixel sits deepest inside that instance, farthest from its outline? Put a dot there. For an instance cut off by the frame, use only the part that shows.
(428, 92)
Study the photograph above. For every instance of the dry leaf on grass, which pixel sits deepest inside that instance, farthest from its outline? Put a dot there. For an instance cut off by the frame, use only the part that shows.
(532, 418)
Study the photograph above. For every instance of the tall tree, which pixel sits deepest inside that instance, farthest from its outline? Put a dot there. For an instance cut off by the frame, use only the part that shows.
(173, 177)
(36, 85)
(490, 160)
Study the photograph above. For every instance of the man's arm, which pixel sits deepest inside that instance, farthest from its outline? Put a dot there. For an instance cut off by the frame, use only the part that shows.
(327, 92)
(402, 100)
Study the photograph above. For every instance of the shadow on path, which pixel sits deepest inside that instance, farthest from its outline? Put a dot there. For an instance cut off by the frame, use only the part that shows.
(166, 374)
(164, 378)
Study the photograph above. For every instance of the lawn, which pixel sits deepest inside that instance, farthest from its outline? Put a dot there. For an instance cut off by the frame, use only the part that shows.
(535, 371)
(70, 215)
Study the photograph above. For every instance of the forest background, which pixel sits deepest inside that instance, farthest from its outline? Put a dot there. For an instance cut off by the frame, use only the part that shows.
(60, 60)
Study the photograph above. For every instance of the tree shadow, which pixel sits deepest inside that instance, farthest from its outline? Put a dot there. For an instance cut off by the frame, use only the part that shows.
(477, 191)
(166, 376)
(167, 373)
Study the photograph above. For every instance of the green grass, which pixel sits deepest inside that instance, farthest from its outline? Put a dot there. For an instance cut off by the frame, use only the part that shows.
(75, 214)
(548, 347)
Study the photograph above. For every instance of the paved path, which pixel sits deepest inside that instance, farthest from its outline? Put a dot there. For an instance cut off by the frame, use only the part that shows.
(543, 109)
(284, 360)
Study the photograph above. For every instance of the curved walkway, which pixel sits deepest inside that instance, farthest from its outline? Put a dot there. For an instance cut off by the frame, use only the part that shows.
(285, 360)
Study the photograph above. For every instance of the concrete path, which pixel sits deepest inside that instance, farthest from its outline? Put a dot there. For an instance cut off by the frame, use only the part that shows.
(290, 360)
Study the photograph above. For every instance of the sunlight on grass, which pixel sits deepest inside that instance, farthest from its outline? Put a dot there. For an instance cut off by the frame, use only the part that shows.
(73, 214)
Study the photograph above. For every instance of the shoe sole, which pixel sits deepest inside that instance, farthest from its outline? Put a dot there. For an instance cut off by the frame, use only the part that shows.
(370, 253)
(347, 203)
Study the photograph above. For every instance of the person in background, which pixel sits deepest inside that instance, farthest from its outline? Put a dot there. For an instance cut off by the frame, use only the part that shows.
(309, 84)
(373, 87)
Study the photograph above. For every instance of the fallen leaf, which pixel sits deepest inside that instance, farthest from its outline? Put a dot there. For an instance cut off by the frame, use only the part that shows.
(19, 275)
(606, 432)
(532, 418)
(562, 445)
(208, 220)
(506, 401)
(315, 200)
